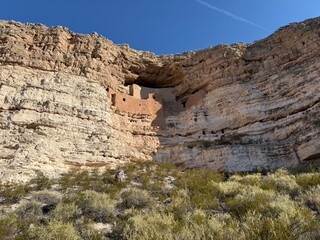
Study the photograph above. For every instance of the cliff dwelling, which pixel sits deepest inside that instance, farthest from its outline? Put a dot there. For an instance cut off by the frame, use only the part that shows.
(158, 103)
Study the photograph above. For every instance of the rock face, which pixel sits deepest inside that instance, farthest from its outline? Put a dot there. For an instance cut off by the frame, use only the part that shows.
(69, 100)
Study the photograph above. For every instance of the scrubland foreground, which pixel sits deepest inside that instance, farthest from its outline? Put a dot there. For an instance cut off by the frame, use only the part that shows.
(151, 201)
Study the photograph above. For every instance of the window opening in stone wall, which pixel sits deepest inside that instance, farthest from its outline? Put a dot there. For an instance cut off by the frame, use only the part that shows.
(113, 99)
(184, 103)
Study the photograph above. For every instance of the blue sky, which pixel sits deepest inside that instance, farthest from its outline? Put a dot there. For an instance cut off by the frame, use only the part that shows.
(166, 26)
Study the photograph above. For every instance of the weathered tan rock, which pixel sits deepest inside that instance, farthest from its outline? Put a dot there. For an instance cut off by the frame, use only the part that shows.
(230, 107)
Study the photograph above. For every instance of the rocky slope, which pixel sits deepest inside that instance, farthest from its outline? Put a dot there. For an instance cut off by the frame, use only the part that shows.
(258, 107)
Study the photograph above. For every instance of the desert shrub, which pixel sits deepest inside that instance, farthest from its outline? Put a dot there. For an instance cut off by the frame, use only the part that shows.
(54, 230)
(256, 226)
(299, 224)
(280, 218)
(108, 176)
(8, 227)
(205, 196)
(198, 179)
(136, 198)
(190, 231)
(31, 210)
(28, 213)
(196, 225)
(249, 199)
(158, 189)
(193, 227)
(308, 179)
(235, 177)
(311, 198)
(307, 168)
(145, 179)
(66, 212)
(67, 180)
(98, 206)
(41, 182)
(205, 200)
(152, 225)
(281, 204)
(180, 204)
(166, 169)
(224, 227)
(201, 188)
(79, 178)
(47, 197)
(109, 184)
(249, 179)
(86, 232)
(228, 189)
(12, 193)
(280, 181)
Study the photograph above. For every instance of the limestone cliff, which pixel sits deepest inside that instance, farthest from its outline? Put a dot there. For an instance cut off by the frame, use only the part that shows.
(72, 100)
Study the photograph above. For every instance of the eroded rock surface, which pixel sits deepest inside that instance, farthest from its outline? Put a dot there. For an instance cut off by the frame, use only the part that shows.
(230, 107)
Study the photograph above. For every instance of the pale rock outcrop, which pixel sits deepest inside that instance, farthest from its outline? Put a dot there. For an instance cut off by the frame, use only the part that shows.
(261, 108)
(238, 107)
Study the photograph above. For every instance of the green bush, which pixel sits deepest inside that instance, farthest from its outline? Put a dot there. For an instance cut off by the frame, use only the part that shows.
(152, 225)
(202, 188)
(136, 198)
(299, 224)
(41, 182)
(163, 170)
(228, 189)
(79, 178)
(29, 210)
(224, 227)
(198, 225)
(8, 227)
(198, 179)
(86, 232)
(312, 198)
(180, 204)
(54, 230)
(281, 204)
(66, 212)
(280, 181)
(28, 214)
(308, 179)
(12, 193)
(250, 179)
(249, 199)
(98, 206)
(47, 197)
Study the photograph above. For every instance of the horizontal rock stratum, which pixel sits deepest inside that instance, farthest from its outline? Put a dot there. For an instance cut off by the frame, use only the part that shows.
(70, 100)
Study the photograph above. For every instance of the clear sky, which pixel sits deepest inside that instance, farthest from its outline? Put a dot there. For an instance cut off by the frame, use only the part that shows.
(165, 26)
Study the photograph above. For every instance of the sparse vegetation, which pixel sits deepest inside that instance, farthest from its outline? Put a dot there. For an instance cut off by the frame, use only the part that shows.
(155, 201)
